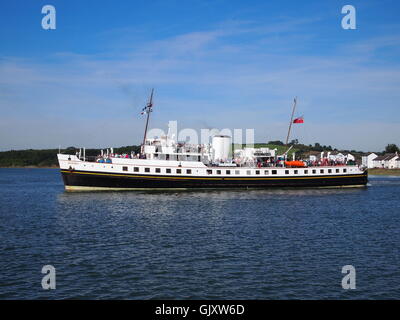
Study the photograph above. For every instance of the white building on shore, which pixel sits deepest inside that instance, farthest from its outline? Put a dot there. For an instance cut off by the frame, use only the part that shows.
(367, 161)
(387, 161)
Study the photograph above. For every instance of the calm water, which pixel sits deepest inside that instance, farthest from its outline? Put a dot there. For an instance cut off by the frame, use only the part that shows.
(279, 244)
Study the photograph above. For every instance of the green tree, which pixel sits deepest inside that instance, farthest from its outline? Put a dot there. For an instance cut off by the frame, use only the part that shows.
(318, 147)
(277, 142)
(392, 148)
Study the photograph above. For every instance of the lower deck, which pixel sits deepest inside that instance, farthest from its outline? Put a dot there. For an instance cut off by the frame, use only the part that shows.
(80, 180)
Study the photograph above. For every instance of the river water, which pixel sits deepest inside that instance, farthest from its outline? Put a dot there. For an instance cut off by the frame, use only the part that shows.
(261, 244)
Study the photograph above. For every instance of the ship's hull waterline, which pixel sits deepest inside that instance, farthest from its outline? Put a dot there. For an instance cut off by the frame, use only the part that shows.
(75, 180)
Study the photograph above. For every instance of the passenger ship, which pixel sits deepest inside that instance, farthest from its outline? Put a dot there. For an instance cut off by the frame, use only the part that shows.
(165, 164)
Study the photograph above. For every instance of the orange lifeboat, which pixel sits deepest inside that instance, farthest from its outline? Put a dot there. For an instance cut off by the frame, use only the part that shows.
(297, 164)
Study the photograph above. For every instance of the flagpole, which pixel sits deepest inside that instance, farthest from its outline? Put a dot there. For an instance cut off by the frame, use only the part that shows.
(291, 120)
(148, 110)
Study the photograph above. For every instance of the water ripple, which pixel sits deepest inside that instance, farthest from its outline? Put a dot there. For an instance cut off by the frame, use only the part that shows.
(259, 244)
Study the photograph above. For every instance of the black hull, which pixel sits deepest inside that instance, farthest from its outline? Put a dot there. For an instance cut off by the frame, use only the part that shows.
(81, 180)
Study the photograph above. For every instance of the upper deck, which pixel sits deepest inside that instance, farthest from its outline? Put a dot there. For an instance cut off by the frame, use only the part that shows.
(199, 169)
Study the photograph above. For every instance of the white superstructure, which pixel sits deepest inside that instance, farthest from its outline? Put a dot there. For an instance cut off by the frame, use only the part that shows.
(165, 163)
(221, 148)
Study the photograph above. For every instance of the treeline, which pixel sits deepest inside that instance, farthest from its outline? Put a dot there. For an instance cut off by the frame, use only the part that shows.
(306, 148)
(302, 148)
(48, 157)
(25, 158)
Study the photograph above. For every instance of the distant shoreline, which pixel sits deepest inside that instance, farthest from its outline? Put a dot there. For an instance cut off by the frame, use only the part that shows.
(384, 172)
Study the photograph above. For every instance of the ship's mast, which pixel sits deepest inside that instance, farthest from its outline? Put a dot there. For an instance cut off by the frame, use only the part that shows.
(148, 109)
(291, 119)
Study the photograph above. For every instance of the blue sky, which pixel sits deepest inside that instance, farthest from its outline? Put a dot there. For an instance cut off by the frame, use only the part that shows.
(213, 63)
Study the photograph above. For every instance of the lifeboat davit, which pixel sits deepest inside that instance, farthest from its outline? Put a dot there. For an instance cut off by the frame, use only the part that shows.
(297, 164)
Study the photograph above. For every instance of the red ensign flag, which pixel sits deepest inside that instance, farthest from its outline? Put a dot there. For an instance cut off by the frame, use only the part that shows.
(298, 120)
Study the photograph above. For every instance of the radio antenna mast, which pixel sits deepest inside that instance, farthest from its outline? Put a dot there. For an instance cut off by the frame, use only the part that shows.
(291, 120)
(147, 109)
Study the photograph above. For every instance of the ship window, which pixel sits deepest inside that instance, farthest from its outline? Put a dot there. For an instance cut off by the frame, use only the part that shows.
(248, 172)
(189, 171)
(305, 171)
(329, 170)
(321, 171)
(286, 171)
(158, 170)
(146, 169)
(237, 172)
(314, 171)
(168, 170)
(274, 172)
(266, 172)
(135, 169)
(337, 170)
(178, 170)
(228, 171)
(124, 168)
(344, 170)
(218, 171)
(209, 171)
(257, 171)
(296, 171)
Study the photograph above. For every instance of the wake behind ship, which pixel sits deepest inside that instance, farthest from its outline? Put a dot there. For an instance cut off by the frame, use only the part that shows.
(166, 164)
